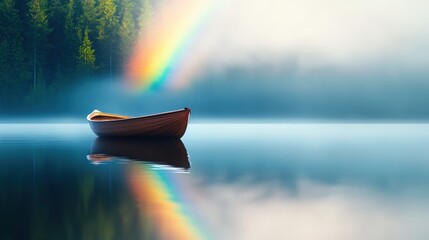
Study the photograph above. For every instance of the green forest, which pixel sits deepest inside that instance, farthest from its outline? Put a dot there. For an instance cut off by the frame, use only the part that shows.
(49, 45)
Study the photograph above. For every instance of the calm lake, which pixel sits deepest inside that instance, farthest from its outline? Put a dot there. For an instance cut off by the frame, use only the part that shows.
(221, 181)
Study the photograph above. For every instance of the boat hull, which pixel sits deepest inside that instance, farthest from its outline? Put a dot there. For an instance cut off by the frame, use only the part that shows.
(165, 125)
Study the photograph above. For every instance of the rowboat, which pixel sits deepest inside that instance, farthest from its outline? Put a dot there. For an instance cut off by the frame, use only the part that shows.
(165, 151)
(163, 125)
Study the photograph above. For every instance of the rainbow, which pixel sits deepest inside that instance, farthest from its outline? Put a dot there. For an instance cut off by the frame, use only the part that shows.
(164, 54)
(162, 204)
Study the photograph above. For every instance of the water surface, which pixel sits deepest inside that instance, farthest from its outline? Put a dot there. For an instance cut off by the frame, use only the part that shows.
(221, 181)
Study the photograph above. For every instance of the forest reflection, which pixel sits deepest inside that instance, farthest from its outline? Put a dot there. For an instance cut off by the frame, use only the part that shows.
(52, 193)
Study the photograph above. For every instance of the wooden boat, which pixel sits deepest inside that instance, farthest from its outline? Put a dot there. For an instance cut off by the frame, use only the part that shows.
(167, 151)
(163, 125)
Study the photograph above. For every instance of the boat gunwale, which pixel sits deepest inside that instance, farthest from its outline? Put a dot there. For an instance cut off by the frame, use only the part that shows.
(127, 118)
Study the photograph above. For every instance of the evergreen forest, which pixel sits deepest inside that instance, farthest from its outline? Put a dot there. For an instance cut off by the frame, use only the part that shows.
(49, 45)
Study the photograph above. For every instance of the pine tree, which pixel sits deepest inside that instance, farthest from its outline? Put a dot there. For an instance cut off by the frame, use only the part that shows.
(69, 22)
(107, 27)
(41, 30)
(89, 16)
(108, 21)
(126, 29)
(14, 75)
(70, 31)
(57, 54)
(86, 59)
(85, 31)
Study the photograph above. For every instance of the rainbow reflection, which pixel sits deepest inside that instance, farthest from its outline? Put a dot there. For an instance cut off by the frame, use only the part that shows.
(161, 204)
(162, 56)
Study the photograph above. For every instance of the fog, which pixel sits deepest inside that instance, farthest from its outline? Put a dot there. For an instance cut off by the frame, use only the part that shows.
(264, 93)
(345, 60)
(288, 59)
(345, 35)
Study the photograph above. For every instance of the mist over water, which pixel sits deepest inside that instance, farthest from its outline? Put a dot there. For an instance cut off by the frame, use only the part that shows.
(244, 93)
(252, 93)
(283, 60)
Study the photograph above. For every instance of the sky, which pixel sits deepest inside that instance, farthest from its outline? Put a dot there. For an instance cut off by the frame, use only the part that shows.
(307, 59)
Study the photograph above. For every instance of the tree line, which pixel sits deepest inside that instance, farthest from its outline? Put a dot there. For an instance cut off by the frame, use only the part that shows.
(48, 45)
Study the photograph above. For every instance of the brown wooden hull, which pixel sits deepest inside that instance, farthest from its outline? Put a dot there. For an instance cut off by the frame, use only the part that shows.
(164, 125)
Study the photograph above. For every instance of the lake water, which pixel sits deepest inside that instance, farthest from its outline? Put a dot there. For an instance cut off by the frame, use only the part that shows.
(222, 181)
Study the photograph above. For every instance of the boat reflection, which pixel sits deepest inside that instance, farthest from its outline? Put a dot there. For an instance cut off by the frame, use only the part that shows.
(170, 152)
(164, 207)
